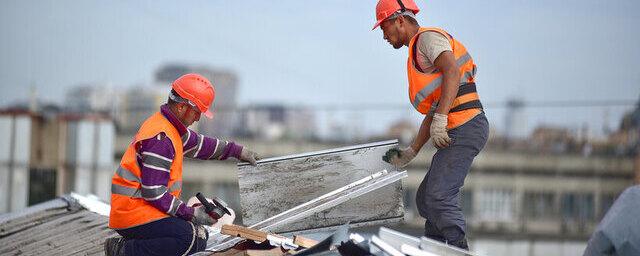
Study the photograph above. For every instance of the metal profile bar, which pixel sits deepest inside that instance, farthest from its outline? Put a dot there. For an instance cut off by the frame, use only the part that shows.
(331, 199)
(322, 152)
(400, 240)
(438, 247)
(385, 247)
(397, 239)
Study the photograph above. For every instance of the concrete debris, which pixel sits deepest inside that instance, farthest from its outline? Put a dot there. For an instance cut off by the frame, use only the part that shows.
(386, 242)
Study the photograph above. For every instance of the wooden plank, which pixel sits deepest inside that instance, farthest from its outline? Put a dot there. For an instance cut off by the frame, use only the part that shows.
(247, 233)
(279, 184)
(304, 242)
(261, 236)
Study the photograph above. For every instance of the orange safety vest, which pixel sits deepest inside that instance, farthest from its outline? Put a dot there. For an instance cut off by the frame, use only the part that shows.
(425, 89)
(128, 208)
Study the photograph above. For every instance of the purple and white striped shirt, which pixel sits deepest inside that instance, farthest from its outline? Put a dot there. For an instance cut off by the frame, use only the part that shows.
(156, 154)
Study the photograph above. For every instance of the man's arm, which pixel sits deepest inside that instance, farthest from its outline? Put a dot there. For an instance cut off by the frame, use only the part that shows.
(202, 147)
(423, 134)
(206, 148)
(446, 62)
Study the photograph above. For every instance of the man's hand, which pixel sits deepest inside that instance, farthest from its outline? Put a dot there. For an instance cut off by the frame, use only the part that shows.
(438, 131)
(249, 156)
(200, 217)
(399, 157)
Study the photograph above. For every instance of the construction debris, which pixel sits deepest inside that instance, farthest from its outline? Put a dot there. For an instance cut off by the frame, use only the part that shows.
(386, 242)
(274, 239)
(317, 205)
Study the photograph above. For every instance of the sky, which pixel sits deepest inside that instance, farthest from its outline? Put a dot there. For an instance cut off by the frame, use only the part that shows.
(323, 52)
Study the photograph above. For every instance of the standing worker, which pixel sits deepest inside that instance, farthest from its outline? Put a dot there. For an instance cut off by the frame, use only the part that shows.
(146, 209)
(441, 87)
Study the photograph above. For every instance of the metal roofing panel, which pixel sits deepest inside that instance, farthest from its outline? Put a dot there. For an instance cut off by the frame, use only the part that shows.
(320, 204)
(279, 184)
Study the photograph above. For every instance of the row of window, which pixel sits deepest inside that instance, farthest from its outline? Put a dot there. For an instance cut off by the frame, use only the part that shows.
(497, 204)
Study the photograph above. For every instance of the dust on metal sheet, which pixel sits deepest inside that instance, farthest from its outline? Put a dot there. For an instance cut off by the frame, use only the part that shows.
(279, 184)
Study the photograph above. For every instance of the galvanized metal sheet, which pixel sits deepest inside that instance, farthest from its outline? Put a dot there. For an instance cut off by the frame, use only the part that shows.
(279, 184)
(317, 205)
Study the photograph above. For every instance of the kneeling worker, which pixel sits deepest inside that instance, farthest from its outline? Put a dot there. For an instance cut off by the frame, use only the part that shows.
(146, 209)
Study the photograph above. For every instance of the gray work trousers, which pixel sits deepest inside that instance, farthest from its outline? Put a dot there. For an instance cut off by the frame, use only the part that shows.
(438, 197)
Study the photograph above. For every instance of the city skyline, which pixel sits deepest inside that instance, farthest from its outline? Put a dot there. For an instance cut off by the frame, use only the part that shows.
(323, 53)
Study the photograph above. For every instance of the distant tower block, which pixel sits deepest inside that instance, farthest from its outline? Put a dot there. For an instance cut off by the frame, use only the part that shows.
(515, 119)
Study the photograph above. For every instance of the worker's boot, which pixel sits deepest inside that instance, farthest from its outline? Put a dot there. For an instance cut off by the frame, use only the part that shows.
(462, 244)
(114, 246)
(456, 237)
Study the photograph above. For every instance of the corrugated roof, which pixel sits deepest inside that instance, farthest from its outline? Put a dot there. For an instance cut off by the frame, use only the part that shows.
(62, 226)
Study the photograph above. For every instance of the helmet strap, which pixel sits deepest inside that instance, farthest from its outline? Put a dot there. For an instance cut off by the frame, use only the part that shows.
(402, 8)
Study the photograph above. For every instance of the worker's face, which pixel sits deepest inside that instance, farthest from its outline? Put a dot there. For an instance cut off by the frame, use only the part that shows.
(391, 31)
(188, 114)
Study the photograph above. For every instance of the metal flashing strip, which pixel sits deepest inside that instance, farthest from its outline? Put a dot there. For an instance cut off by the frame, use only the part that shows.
(331, 229)
(322, 152)
(408, 244)
(397, 239)
(385, 247)
(438, 247)
(326, 201)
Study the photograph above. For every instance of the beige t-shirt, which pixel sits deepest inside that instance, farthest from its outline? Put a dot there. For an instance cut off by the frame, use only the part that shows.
(430, 45)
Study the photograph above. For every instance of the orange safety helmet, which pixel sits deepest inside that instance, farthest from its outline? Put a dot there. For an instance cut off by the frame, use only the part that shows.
(387, 8)
(197, 90)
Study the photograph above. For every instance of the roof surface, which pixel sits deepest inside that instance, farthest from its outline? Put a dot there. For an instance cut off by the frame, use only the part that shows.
(62, 226)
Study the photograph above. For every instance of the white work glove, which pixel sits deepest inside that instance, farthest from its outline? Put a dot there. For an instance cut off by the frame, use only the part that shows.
(249, 156)
(399, 157)
(201, 217)
(438, 131)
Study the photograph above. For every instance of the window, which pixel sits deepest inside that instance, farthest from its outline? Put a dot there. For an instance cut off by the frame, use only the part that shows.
(539, 205)
(42, 185)
(496, 205)
(578, 207)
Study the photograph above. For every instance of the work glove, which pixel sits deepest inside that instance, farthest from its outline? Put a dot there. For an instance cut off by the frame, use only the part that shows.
(249, 156)
(201, 217)
(438, 131)
(399, 157)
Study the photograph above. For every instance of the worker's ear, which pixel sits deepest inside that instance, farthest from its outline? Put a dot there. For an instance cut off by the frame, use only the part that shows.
(401, 20)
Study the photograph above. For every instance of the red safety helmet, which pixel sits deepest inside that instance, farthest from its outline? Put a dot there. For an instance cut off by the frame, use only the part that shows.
(197, 90)
(386, 8)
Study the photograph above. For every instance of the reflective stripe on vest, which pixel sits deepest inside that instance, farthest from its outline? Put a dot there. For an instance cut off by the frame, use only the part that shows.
(435, 84)
(133, 192)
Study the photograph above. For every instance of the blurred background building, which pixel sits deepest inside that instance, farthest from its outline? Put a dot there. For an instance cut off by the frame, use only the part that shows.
(50, 154)
(543, 190)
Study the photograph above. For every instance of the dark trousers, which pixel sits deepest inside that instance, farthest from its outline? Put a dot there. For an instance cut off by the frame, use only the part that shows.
(438, 197)
(168, 236)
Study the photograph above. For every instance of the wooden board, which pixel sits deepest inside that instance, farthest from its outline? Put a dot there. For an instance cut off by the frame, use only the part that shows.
(279, 184)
